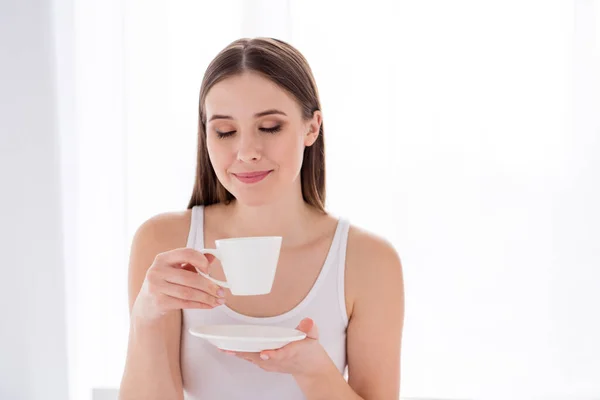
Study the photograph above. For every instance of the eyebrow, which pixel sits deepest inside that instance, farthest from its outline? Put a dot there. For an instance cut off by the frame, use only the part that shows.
(257, 115)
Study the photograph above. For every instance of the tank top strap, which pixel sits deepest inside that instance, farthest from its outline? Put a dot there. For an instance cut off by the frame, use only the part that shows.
(340, 264)
(196, 233)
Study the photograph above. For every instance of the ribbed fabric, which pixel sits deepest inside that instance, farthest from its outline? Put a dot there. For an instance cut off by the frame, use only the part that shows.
(211, 375)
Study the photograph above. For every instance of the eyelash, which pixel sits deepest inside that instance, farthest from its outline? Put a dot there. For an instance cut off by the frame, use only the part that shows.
(275, 129)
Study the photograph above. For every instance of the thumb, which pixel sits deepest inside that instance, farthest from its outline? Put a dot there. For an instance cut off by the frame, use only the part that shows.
(309, 327)
(205, 267)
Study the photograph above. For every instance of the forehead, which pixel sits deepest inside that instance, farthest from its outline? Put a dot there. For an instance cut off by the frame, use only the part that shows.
(242, 96)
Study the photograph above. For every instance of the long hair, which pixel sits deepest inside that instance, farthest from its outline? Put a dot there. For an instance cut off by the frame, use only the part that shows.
(285, 66)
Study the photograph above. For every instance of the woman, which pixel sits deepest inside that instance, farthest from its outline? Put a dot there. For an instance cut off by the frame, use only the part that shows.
(261, 172)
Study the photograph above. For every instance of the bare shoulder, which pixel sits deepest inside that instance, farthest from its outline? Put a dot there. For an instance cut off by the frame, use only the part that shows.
(372, 264)
(164, 231)
(366, 246)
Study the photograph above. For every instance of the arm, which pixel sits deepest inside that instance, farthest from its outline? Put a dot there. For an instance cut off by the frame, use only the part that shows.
(152, 369)
(375, 285)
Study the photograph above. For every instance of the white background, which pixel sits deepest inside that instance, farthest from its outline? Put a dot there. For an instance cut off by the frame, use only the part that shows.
(470, 129)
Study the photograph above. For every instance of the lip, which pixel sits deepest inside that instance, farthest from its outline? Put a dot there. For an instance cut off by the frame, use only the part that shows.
(252, 177)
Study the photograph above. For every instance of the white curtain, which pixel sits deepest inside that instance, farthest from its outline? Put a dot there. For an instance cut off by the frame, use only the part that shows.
(465, 132)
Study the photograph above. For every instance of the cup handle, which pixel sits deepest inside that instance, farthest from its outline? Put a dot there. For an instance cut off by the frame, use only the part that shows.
(215, 253)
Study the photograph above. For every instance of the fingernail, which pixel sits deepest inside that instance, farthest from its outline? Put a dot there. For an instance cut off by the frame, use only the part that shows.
(264, 357)
(221, 301)
(220, 292)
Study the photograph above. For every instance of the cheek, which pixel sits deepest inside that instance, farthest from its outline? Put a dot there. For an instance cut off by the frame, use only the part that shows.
(288, 153)
(218, 153)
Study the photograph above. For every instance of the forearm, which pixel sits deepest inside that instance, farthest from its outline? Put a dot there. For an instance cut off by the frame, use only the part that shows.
(328, 385)
(148, 374)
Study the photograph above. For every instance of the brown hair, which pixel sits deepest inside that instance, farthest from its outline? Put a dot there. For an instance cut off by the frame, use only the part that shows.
(285, 66)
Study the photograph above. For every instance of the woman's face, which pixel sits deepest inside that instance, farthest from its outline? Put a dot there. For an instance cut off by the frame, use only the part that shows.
(256, 136)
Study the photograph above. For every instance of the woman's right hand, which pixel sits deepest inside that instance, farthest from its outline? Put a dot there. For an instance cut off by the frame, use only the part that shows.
(173, 283)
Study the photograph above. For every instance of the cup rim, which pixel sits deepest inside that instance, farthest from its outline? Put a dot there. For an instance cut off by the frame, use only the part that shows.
(248, 238)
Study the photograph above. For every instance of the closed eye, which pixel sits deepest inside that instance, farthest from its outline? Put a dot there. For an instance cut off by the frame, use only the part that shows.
(223, 135)
(274, 129)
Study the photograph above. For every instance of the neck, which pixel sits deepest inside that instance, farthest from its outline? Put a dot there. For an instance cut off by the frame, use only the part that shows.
(289, 217)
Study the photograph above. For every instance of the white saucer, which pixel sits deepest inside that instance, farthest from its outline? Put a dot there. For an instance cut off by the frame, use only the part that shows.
(247, 338)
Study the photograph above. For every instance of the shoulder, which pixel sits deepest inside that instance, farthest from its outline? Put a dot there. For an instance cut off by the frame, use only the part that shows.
(164, 231)
(373, 268)
(369, 250)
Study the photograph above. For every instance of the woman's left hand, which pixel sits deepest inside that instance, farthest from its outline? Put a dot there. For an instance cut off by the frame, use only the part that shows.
(302, 358)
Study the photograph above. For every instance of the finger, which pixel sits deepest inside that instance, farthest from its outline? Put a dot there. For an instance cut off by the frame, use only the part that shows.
(192, 279)
(252, 357)
(189, 294)
(189, 267)
(287, 351)
(177, 257)
(309, 327)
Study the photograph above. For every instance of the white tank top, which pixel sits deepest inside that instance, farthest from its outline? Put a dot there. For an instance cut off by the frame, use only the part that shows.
(211, 375)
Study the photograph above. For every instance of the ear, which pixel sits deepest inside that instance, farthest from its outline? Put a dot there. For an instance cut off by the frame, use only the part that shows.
(312, 128)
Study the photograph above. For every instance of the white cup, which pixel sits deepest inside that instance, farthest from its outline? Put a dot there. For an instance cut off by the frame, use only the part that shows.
(249, 263)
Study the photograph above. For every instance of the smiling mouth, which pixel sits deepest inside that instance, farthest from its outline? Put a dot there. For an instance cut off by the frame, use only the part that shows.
(252, 177)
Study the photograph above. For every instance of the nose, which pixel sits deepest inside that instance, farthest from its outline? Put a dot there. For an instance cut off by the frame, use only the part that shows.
(250, 147)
